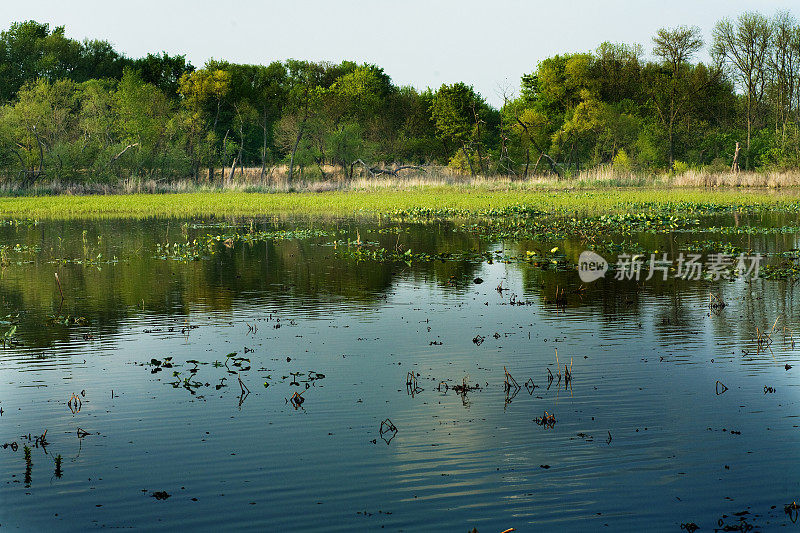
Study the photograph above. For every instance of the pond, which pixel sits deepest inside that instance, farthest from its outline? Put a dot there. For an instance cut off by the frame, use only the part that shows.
(332, 374)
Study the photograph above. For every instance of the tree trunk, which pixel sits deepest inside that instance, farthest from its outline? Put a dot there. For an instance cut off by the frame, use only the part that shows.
(294, 150)
(478, 141)
(671, 143)
(749, 127)
(527, 162)
(264, 152)
(469, 161)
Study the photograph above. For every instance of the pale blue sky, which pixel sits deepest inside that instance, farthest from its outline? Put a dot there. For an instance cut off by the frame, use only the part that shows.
(418, 42)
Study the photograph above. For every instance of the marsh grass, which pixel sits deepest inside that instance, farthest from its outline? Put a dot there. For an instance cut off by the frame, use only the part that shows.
(274, 181)
(444, 200)
(436, 190)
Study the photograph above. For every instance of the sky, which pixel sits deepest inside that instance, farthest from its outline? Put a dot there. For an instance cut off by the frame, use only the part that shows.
(424, 43)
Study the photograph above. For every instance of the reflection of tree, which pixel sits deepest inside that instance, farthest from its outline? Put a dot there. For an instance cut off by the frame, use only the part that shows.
(287, 275)
(311, 277)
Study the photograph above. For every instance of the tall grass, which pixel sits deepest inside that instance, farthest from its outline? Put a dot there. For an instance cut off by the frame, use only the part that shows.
(251, 180)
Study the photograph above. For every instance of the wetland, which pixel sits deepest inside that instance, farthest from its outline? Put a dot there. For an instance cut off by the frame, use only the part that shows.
(433, 365)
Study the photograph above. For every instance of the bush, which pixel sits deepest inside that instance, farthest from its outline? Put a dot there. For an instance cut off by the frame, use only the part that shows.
(460, 164)
(622, 162)
(679, 167)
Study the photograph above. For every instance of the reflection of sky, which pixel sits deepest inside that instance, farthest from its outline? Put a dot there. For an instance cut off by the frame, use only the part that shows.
(449, 463)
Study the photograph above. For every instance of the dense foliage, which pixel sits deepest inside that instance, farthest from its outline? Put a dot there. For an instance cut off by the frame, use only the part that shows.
(80, 111)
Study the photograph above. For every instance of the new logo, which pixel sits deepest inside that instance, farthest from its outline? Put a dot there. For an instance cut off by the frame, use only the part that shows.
(591, 266)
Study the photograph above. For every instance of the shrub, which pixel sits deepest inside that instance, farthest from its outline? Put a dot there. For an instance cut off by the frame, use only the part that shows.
(679, 167)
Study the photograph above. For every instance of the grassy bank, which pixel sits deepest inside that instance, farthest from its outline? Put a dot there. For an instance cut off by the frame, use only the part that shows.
(441, 200)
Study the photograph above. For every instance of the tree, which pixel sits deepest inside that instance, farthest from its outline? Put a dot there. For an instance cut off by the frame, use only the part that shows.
(29, 50)
(203, 93)
(744, 47)
(784, 69)
(675, 47)
(459, 114)
(146, 138)
(163, 71)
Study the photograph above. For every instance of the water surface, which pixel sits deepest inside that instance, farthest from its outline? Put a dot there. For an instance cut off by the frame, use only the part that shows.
(641, 438)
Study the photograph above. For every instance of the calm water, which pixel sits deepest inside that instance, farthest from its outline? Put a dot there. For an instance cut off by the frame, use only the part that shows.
(641, 439)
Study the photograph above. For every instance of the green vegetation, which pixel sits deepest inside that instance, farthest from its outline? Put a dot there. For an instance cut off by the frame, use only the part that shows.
(413, 204)
(81, 113)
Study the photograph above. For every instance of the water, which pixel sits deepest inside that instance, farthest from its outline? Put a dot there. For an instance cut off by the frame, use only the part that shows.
(641, 439)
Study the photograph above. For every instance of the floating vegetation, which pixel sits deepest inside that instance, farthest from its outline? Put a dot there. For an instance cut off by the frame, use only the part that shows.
(68, 320)
(547, 420)
(297, 399)
(28, 465)
(211, 244)
(7, 338)
(463, 388)
(791, 510)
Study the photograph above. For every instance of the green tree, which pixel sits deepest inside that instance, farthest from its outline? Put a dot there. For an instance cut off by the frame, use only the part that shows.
(460, 117)
(671, 90)
(744, 47)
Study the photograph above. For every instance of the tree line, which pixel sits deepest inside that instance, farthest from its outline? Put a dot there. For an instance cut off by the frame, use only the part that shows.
(83, 112)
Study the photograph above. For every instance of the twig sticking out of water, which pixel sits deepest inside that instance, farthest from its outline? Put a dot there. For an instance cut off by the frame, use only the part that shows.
(297, 399)
(791, 337)
(58, 282)
(568, 373)
(558, 373)
(61, 304)
(412, 384)
(715, 302)
(763, 340)
(510, 383)
(388, 429)
(791, 509)
(243, 386)
(561, 297)
(463, 388)
(74, 403)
